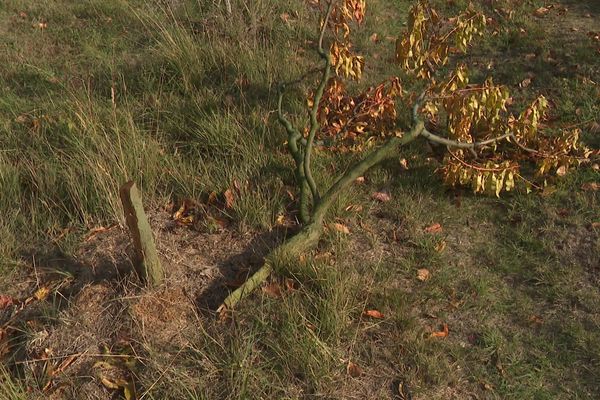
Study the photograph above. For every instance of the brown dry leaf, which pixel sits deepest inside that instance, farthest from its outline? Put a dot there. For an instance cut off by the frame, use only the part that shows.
(373, 314)
(229, 198)
(435, 228)
(536, 319)
(340, 227)
(374, 38)
(353, 370)
(530, 56)
(561, 171)
(441, 334)
(212, 198)
(42, 25)
(595, 225)
(184, 215)
(540, 12)
(360, 179)
(94, 231)
(525, 82)
(4, 343)
(590, 186)
(423, 274)
(223, 314)
(6, 301)
(285, 17)
(404, 164)
(222, 223)
(290, 284)
(272, 289)
(381, 196)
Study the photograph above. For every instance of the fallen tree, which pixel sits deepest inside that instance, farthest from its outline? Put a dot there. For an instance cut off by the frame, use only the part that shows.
(488, 146)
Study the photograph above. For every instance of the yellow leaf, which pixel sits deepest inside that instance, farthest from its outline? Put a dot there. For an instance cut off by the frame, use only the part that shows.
(42, 293)
(440, 246)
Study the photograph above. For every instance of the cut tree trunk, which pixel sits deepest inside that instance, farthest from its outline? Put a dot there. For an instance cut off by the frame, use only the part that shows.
(146, 262)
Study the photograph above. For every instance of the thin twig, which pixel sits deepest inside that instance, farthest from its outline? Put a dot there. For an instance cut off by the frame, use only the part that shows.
(475, 167)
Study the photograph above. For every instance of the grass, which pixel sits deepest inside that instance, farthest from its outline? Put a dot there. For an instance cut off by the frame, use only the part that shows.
(180, 97)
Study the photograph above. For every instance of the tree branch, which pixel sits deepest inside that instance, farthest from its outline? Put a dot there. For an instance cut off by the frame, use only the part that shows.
(375, 157)
(314, 123)
(462, 145)
(294, 136)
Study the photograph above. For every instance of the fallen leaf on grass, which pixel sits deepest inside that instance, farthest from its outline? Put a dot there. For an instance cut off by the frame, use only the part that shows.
(561, 171)
(42, 293)
(590, 186)
(272, 289)
(229, 198)
(95, 231)
(280, 220)
(404, 164)
(441, 334)
(374, 38)
(6, 301)
(185, 214)
(373, 314)
(525, 83)
(354, 208)
(435, 228)
(536, 319)
(441, 246)
(353, 370)
(116, 377)
(285, 17)
(4, 342)
(540, 12)
(423, 274)
(340, 227)
(381, 196)
(290, 284)
(360, 179)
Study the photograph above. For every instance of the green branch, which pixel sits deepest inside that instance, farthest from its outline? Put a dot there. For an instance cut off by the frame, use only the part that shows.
(375, 157)
(314, 123)
(294, 137)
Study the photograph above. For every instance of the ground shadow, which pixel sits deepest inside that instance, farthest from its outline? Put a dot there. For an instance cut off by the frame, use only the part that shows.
(237, 268)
